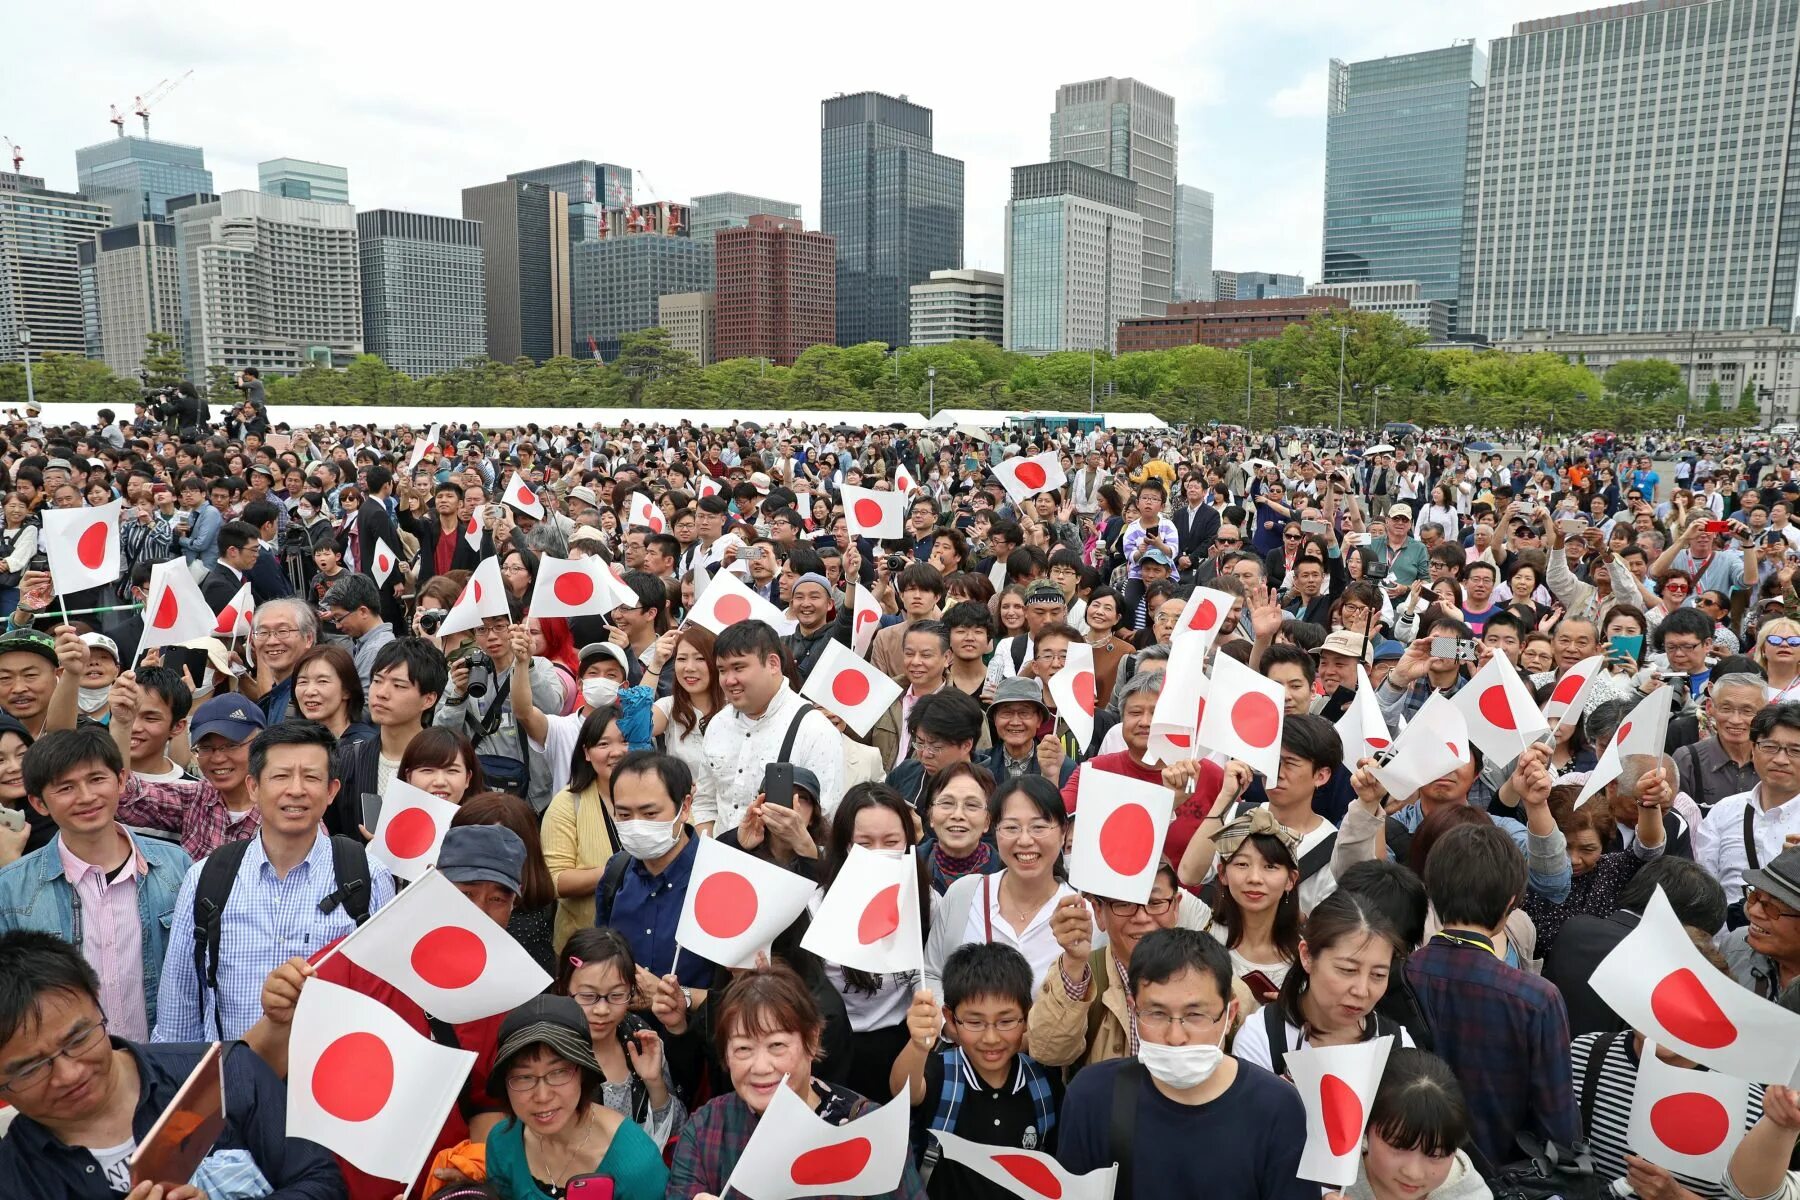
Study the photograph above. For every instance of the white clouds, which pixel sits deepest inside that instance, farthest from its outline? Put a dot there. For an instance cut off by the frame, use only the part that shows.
(1305, 98)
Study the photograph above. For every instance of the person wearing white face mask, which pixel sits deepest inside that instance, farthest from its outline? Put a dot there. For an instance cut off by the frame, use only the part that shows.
(644, 886)
(603, 672)
(97, 677)
(1182, 1100)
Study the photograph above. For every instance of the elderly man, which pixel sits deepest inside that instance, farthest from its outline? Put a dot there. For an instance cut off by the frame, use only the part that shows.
(281, 631)
(1744, 831)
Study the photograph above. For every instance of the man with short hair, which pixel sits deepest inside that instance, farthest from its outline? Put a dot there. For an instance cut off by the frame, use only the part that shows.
(406, 678)
(40, 678)
(1723, 764)
(491, 722)
(281, 631)
(1479, 579)
(1402, 557)
(943, 729)
(644, 885)
(921, 591)
(971, 628)
(1684, 638)
(162, 712)
(1419, 674)
(353, 607)
(1308, 600)
(1746, 831)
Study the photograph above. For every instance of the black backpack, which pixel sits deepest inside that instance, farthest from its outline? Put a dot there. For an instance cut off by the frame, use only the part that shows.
(1549, 1171)
(1275, 1026)
(218, 873)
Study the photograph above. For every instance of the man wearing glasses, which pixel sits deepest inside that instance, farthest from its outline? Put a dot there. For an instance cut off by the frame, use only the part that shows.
(1744, 831)
(1765, 954)
(1227, 542)
(281, 631)
(489, 720)
(1722, 765)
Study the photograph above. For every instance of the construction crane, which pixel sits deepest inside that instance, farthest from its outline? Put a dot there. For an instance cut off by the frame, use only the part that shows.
(12, 148)
(118, 121)
(155, 95)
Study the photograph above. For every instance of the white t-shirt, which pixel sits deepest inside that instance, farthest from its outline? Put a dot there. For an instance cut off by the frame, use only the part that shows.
(562, 734)
(1037, 943)
(115, 1163)
(687, 745)
(1251, 1044)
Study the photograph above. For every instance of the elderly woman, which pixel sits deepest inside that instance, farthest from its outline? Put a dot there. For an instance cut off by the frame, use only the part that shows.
(556, 1129)
(768, 1029)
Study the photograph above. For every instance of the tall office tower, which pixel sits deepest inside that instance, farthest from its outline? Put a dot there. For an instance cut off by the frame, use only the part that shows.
(688, 318)
(893, 205)
(1397, 136)
(138, 177)
(1629, 171)
(1266, 285)
(423, 290)
(1224, 285)
(954, 306)
(1193, 243)
(41, 232)
(267, 282)
(777, 290)
(525, 260)
(733, 210)
(1074, 257)
(619, 280)
(591, 187)
(298, 179)
(130, 288)
(1127, 128)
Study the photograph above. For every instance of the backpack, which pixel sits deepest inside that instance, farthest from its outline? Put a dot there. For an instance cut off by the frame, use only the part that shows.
(1275, 1025)
(218, 873)
(1549, 1171)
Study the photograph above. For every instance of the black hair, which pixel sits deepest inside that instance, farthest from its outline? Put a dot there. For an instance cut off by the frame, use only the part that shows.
(1153, 484)
(1286, 931)
(167, 683)
(1483, 564)
(969, 614)
(582, 774)
(993, 969)
(591, 947)
(755, 638)
(425, 664)
(933, 629)
(1419, 1105)
(1772, 717)
(328, 542)
(1293, 656)
(449, 485)
(292, 732)
(38, 965)
(715, 504)
(1690, 621)
(1475, 875)
(949, 715)
(1446, 626)
(1312, 738)
(1026, 560)
(1696, 896)
(235, 535)
(351, 593)
(1506, 620)
(921, 577)
(60, 751)
(1162, 954)
(1306, 636)
(1339, 917)
(676, 778)
(1043, 795)
(258, 513)
(377, 478)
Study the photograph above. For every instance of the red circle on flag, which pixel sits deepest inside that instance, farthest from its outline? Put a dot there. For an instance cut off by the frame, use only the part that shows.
(1454, 749)
(850, 687)
(450, 957)
(1031, 474)
(1624, 732)
(227, 620)
(732, 609)
(1687, 1010)
(656, 523)
(476, 584)
(1378, 742)
(573, 587)
(354, 1077)
(166, 610)
(1256, 719)
(1343, 1114)
(725, 904)
(1566, 688)
(1494, 707)
(410, 833)
(832, 1164)
(868, 512)
(1206, 615)
(383, 563)
(90, 550)
(1690, 1122)
(1032, 1173)
(1083, 684)
(880, 917)
(865, 616)
(1128, 839)
(1181, 740)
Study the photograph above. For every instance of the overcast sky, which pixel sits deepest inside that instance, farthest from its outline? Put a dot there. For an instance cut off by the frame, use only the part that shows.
(420, 101)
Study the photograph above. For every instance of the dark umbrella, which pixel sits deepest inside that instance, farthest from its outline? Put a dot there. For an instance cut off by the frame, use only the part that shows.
(1481, 446)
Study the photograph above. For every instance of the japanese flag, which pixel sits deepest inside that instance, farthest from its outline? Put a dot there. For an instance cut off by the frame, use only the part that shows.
(174, 610)
(793, 1152)
(450, 958)
(1119, 828)
(1435, 743)
(904, 483)
(516, 493)
(1362, 729)
(869, 920)
(708, 486)
(1024, 478)
(865, 622)
(82, 545)
(1337, 1084)
(234, 618)
(1244, 719)
(1501, 715)
(869, 513)
(364, 1085)
(1568, 700)
(483, 596)
(1204, 613)
(727, 602)
(736, 904)
(1073, 689)
(1030, 1174)
(1641, 732)
(1660, 985)
(645, 515)
(844, 684)
(1180, 704)
(421, 446)
(382, 562)
(571, 587)
(472, 532)
(411, 829)
(1687, 1121)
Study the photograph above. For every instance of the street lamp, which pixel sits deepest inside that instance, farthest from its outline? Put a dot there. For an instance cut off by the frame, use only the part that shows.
(1343, 341)
(25, 348)
(931, 393)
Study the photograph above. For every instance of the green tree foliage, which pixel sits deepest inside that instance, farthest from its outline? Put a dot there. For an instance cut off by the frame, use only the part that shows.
(1642, 383)
(1712, 397)
(162, 365)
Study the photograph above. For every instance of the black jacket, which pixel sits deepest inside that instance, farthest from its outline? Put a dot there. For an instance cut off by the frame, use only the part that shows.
(428, 531)
(268, 579)
(1583, 942)
(359, 769)
(1195, 538)
(220, 586)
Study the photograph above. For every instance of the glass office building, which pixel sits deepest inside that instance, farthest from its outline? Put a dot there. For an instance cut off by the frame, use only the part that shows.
(1074, 257)
(299, 179)
(1193, 243)
(592, 188)
(137, 177)
(618, 281)
(1397, 136)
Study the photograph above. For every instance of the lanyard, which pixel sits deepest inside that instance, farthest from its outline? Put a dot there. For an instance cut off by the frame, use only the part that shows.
(1464, 937)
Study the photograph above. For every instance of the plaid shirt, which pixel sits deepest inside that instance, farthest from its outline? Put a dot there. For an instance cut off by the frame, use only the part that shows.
(192, 809)
(1506, 1035)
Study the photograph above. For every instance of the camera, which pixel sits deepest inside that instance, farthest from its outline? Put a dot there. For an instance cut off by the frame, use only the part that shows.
(432, 619)
(897, 563)
(481, 673)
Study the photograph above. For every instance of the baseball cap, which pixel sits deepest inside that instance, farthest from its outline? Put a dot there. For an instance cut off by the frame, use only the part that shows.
(472, 853)
(1400, 510)
(1156, 555)
(230, 716)
(1045, 592)
(1346, 643)
(1388, 650)
(597, 650)
(99, 641)
(30, 641)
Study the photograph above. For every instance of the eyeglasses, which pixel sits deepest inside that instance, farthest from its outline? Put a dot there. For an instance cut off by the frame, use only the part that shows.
(284, 632)
(555, 1077)
(1779, 750)
(1155, 906)
(1157, 1021)
(496, 625)
(1782, 639)
(1676, 589)
(1768, 904)
(32, 1074)
(1037, 829)
(616, 999)
(978, 1026)
(972, 807)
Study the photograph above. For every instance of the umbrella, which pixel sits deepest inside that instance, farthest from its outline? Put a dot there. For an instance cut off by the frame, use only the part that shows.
(1379, 448)
(1481, 446)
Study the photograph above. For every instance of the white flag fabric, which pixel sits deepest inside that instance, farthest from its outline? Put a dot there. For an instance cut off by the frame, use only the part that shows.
(846, 685)
(869, 920)
(1640, 733)
(1180, 704)
(904, 483)
(1501, 715)
(364, 1085)
(736, 904)
(1120, 824)
(82, 545)
(1568, 699)
(410, 832)
(727, 602)
(866, 622)
(174, 610)
(571, 587)
(1030, 1174)
(1362, 729)
(483, 596)
(1245, 717)
(1660, 985)
(1337, 1084)
(448, 957)
(708, 486)
(1686, 1121)
(1203, 614)
(516, 492)
(792, 1152)
(382, 562)
(234, 618)
(645, 514)
(472, 532)
(421, 446)
(1073, 689)
(1024, 478)
(869, 513)
(1435, 743)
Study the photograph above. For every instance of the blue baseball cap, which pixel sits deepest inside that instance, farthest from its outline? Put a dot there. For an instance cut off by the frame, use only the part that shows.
(230, 716)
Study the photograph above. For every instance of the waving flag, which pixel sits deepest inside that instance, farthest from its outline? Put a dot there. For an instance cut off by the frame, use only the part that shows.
(82, 545)
(846, 685)
(1024, 478)
(1684, 1120)
(1120, 824)
(1073, 688)
(411, 830)
(904, 483)
(1337, 1084)
(382, 562)
(174, 610)
(1030, 1174)
(234, 618)
(571, 587)
(1568, 699)
(1362, 729)
(793, 1152)
(869, 920)
(1501, 714)
(1433, 745)
(1204, 614)
(518, 494)
(736, 904)
(727, 602)
(869, 513)
(482, 597)
(421, 447)
(1180, 704)
(866, 621)
(1640, 733)
(644, 514)
(1244, 720)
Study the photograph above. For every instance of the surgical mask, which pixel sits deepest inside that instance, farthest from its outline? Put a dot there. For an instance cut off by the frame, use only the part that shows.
(92, 700)
(598, 691)
(1182, 1067)
(649, 839)
(304, 513)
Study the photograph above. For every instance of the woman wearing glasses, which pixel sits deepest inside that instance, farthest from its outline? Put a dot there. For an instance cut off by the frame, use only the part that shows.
(596, 970)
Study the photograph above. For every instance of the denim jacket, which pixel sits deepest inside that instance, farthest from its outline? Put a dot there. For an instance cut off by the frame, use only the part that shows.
(35, 894)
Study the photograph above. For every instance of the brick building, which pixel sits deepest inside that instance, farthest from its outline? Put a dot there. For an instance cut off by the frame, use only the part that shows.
(1227, 324)
(775, 290)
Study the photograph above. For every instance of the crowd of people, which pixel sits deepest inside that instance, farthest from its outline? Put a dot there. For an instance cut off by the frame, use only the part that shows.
(183, 829)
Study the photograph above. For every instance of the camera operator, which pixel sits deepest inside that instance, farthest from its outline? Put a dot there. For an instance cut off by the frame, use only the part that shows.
(478, 704)
(189, 413)
(256, 404)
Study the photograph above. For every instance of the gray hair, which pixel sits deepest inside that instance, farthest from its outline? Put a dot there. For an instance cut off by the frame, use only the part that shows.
(1142, 683)
(547, 539)
(1743, 679)
(1633, 768)
(1431, 525)
(1657, 542)
(304, 618)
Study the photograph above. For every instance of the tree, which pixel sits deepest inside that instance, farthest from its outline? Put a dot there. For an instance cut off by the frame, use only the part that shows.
(163, 366)
(1712, 396)
(1640, 383)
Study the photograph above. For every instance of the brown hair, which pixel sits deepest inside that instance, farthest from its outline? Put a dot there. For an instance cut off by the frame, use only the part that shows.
(771, 999)
(339, 660)
(1436, 826)
(436, 746)
(444, 588)
(683, 712)
(510, 812)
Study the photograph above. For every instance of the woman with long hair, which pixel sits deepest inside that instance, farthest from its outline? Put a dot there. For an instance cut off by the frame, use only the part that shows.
(18, 542)
(327, 690)
(518, 572)
(1257, 916)
(1440, 509)
(595, 968)
(1010, 610)
(680, 718)
(441, 761)
(530, 924)
(579, 833)
(551, 640)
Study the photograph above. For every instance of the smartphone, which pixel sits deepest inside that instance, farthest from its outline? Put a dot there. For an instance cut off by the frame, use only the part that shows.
(1357, 539)
(589, 1187)
(1630, 647)
(12, 818)
(1572, 528)
(1260, 985)
(1443, 647)
(1717, 527)
(778, 784)
(371, 811)
(1468, 650)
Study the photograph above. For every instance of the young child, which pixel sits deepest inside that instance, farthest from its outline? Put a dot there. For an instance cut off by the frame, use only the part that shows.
(980, 1087)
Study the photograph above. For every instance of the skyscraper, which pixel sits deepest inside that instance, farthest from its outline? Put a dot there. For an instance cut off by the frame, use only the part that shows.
(1127, 128)
(965, 305)
(688, 319)
(267, 282)
(1397, 136)
(1266, 285)
(137, 177)
(1629, 171)
(776, 290)
(618, 281)
(423, 290)
(298, 179)
(130, 287)
(41, 232)
(1074, 257)
(525, 261)
(733, 210)
(1193, 243)
(894, 207)
(592, 188)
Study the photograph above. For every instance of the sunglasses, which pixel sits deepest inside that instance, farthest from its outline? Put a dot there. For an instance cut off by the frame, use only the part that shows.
(1783, 639)
(1676, 589)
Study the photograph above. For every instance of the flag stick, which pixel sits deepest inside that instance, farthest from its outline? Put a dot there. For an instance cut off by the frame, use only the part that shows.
(676, 961)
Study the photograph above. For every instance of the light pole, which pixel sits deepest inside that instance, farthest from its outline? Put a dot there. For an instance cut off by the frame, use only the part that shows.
(1090, 381)
(931, 393)
(1343, 341)
(1249, 377)
(25, 348)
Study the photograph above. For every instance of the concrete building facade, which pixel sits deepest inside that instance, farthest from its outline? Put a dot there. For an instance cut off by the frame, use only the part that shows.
(1224, 285)
(41, 233)
(298, 179)
(130, 288)
(618, 281)
(137, 177)
(1193, 274)
(733, 210)
(1402, 299)
(424, 290)
(956, 306)
(776, 291)
(1226, 324)
(526, 268)
(1074, 257)
(689, 319)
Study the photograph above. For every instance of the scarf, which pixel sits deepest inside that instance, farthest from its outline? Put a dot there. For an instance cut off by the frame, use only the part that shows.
(946, 868)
